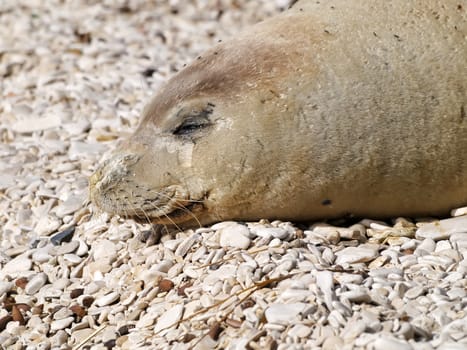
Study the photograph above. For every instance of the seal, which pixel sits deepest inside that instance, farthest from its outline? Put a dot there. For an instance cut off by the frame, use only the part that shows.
(331, 108)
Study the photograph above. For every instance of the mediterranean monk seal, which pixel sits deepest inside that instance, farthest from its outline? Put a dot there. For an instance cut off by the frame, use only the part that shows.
(331, 108)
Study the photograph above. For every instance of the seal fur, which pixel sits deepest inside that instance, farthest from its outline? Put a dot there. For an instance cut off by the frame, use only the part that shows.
(331, 108)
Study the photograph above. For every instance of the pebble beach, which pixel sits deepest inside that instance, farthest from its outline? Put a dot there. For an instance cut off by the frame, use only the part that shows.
(74, 78)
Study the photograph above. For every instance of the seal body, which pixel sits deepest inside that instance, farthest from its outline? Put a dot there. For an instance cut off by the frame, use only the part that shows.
(331, 108)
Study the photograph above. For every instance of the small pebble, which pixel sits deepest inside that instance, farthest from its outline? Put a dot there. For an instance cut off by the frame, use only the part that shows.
(36, 124)
(384, 343)
(234, 235)
(169, 318)
(36, 283)
(15, 266)
(352, 255)
(70, 206)
(108, 299)
(104, 251)
(284, 313)
(427, 246)
(66, 248)
(443, 229)
(64, 236)
(61, 324)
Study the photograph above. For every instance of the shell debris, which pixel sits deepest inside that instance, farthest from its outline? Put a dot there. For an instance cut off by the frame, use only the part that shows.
(73, 79)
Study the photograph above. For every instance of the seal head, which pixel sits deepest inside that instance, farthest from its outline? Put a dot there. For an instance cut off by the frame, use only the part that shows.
(192, 157)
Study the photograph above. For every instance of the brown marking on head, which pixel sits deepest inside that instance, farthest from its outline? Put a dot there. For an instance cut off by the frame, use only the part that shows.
(259, 60)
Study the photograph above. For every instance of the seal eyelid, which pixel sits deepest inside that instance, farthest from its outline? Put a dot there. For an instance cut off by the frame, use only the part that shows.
(194, 121)
(191, 124)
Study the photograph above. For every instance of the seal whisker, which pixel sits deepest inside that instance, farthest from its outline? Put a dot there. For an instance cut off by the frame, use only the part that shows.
(157, 208)
(194, 201)
(149, 222)
(168, 218)
(180, 206)
(134, 209)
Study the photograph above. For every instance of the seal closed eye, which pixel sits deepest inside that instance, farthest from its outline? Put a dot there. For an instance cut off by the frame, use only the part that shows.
(193, 121)
(341, 106)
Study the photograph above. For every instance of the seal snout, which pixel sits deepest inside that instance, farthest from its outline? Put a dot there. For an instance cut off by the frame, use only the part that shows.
(114, 187)
(111, 173)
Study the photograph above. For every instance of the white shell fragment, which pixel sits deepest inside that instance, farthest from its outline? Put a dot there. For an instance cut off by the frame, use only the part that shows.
(443, 229)
(285, 313)
(360, 254)
(234, 235)
(169, 318)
